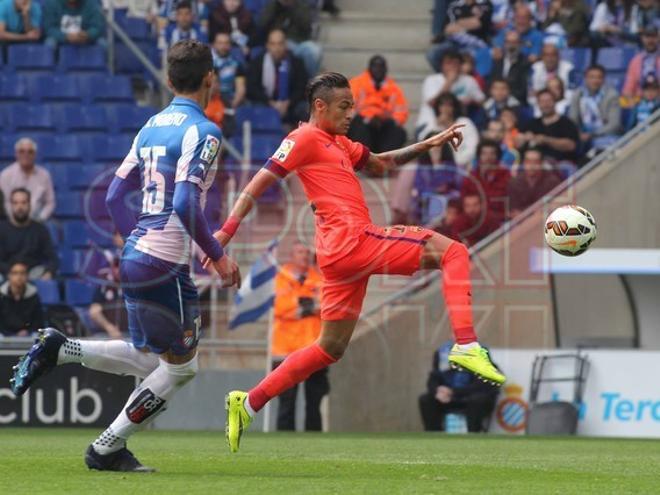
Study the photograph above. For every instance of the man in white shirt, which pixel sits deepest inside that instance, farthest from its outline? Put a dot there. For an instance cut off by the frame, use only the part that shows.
(24, 173)
(450, 79)
(549, 66)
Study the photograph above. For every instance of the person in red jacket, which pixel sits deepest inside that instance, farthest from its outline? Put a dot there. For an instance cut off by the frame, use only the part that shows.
(490, 179)
(475, 222)
(381, 109)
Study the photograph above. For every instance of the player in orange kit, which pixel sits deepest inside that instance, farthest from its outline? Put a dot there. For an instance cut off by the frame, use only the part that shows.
(349, 246)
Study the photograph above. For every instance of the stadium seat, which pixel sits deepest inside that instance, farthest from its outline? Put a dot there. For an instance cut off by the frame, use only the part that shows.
(78, 293)
(110, 149)
(615, 79)
(49, 292)
(89, 176)
(94, 206)
(69, 206)
(7, 142)
(255, 6)
(84, 118)
(61, 148)
(74, 234)
(615, 58)
(127, 63)
(263, 147)
(82, 58)
(70, 261)
(100, 232)
(54, 88)
(31, 57)
(13, 87)
(136, 29)
(32, 118)
(60, 176)
(579, 57)
(262, 118)
(106, 88)
(129, 117)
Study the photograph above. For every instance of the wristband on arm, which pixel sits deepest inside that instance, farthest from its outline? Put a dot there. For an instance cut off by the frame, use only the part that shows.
(231, 225)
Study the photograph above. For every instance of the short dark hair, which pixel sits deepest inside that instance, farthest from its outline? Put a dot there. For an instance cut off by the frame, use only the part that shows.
(498, 80)
(597, 67)
(321, 85)
(20, 190)
(489, 143)
(533, 149)
(455, 203)
(450, 98)
(18, 261)
(188, 62)
(542, 91)
(453, 55)
(184, 4)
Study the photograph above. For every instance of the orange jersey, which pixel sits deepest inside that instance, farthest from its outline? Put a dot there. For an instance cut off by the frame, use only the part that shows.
(327, 165)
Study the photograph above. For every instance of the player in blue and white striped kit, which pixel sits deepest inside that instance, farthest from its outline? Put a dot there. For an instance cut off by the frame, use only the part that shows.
(172, 164)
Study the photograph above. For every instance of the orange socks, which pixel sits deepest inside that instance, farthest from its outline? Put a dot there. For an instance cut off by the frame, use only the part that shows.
(456, 287)
(296, 368)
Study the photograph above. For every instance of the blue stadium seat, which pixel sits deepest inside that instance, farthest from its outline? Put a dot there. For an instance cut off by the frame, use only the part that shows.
(89, 118)
(110, 149)
(13, 87)
(579, 57)
(32, 118)
(54, 88)
(74, 234)
(7, 142)
(89, 176)
(136, 29)
(106, 88)
(100, 232)
(61, 148)
(82, 58)
(255, 6)
(263, 119)
(78, 293)
(69, 206)
(53, 227)
(70, 261)
(615, 79)
(129, 118)
(60, 176)
(263, 147)
(49, 292)
(615, 58)
(31, 57)
(127, 63)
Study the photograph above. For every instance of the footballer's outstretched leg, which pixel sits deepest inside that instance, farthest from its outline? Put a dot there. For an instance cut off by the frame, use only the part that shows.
(39, 360)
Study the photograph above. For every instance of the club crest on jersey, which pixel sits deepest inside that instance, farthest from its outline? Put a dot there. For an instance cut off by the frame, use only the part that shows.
(210, 149)
(284, 150)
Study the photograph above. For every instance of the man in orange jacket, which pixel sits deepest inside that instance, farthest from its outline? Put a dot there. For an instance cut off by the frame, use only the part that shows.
(381, 109)
(296, 324)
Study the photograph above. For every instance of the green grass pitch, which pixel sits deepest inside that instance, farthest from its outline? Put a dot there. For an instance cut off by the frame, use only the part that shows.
(49, 461)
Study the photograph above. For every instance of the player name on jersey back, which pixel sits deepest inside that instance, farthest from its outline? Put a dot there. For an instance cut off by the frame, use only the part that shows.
(166, 120)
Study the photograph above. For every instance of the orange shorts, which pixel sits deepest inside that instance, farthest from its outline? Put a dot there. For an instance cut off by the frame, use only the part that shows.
(395, 250)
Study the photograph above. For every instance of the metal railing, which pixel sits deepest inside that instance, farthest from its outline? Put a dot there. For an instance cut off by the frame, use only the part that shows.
(610, 153)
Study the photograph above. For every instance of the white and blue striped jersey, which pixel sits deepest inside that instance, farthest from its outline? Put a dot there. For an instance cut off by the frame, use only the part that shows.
(177, 144)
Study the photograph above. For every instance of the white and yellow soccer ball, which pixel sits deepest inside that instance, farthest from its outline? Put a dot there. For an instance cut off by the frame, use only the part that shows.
(570, 230)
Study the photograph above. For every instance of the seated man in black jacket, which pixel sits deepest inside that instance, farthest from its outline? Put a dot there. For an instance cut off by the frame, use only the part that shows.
(27, 239)
(455, 391)
(20, 306)
(278, 78)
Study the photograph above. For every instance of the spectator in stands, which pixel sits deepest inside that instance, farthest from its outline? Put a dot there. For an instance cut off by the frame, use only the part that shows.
(455, 391)
(446, 225)
(643, 64)
(647, 105)
(296, 324)
(509, 118)
(531, 184)
(513, 66)
(556, 87)
(27, 239)
(20, 306)
(500, 98)
(495, 131)
(475, 221)
(24, 173)
(468, 28)
(381, 109)
(645, 14)
(278, 78)
(20, 20)
(531, 39)
(555, 135)
(167, 14)
(595, 110)
(107, 310)
(215, 108)
(612, 23)
(184, 28)
(294, 18)
(77, 22)
(448, 111)
(549, 66)
(233, 18)
(452, 80)
(569, 21)
(231, 78)
(468, 67)
(489, 179)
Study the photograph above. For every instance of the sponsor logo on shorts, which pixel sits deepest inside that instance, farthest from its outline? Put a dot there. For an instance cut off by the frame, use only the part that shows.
(284, 150)
(146, 404)
(210, 149)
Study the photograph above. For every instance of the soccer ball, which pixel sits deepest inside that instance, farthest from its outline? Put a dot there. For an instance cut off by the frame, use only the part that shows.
(570, 230)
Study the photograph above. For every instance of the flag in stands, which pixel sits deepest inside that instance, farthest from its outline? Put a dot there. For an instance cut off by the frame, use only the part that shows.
(256, 295)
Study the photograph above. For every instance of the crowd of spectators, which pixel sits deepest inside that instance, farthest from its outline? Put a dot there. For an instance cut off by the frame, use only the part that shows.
(532, 85)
